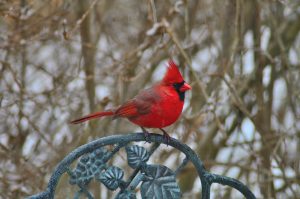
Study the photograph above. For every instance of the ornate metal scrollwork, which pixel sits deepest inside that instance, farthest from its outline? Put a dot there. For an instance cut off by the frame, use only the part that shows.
(157, 181)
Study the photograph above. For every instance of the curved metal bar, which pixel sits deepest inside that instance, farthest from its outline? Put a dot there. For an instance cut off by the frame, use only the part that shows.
(122, 140)
(224, 180)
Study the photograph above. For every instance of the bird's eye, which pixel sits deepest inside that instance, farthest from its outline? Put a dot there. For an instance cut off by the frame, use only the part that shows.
(178, 85)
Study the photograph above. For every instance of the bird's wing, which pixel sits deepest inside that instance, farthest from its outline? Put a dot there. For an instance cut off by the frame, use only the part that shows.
(139, 105)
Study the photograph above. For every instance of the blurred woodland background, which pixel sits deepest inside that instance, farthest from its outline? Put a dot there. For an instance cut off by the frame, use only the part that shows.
(60, 59)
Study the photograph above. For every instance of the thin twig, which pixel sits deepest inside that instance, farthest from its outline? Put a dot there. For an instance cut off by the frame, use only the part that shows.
(153, 9)
(79, 22)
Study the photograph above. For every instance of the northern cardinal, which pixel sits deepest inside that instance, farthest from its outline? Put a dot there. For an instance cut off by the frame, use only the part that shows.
(155, 107)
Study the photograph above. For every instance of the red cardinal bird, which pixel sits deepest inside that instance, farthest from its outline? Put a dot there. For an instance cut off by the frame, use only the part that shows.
(155, 107)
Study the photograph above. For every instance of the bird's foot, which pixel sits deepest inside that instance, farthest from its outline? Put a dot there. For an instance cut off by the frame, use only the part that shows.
(146, 134)
(166, 136)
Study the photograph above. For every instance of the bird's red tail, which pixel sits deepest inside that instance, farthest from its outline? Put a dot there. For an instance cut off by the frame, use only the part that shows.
(92, 116)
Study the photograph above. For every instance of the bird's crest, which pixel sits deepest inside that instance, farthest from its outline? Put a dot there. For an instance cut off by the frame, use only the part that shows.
(172, 75)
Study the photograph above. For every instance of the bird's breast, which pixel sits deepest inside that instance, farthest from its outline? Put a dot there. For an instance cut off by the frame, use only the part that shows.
(164, 112)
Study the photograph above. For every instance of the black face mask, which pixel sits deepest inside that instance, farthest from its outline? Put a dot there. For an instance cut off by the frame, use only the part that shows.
(177, 87)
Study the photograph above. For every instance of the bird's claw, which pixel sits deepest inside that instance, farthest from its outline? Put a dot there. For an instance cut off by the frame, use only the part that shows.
(147, 135)
(166, 136)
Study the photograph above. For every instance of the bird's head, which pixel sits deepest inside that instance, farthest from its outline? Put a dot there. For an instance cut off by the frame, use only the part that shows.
(174, 79)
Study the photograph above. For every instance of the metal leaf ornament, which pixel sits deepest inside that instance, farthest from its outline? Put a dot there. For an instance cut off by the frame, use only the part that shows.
(112, 177)
(136, 156)
(88, 166)
(160, 183)
(127, 194)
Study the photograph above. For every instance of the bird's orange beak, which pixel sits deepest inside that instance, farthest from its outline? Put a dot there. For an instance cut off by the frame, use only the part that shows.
(185, 87)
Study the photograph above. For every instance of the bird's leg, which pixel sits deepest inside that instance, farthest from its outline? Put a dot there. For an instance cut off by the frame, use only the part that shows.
(146, 134)
(166, 136)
